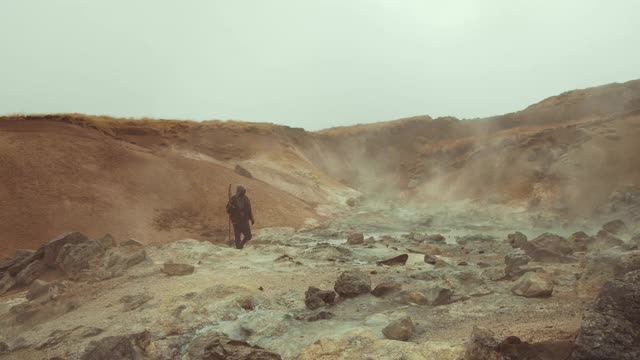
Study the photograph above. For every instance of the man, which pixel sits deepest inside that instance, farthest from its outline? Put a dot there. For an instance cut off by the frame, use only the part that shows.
(239, 210)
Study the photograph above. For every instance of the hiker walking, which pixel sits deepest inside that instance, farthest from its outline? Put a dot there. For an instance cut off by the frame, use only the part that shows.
(239, 210)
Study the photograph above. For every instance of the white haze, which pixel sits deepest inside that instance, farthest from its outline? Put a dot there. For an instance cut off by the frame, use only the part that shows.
(311, 64)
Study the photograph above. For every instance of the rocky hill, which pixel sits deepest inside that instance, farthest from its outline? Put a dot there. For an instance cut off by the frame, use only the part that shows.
(161, 180)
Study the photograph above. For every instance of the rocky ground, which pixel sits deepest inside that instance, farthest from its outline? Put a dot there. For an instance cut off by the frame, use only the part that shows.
(389, 284)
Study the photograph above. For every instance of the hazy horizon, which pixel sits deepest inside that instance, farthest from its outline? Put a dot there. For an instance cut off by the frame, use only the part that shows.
(312, 64)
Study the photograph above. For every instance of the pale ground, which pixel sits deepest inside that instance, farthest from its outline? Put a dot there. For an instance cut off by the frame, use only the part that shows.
(207, 300)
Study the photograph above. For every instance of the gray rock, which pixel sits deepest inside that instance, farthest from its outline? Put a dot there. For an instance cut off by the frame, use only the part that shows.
(20, 255)
(107, 241)
(353, 283)
(23, 261)
(386, 288)
(315, 298)
(37, 289)
(482, 346)
(397, 260)
(463, 240)
(580, 240)
(513, 264)
(549, 248)
(125, 347)
(117, 260)
(73, 258)
(6, 283)
(602, 241)
(53, 247)
(610, 328)
(132, 302)
(243, 172)
(400, 329)
(355, 239)
(131, 242)
(30, 273)
(430, 259)
(616, 227)
(439, 296)
(4, 348)
(534, 284)
(216, 346)
(517, 239)
(177, 269)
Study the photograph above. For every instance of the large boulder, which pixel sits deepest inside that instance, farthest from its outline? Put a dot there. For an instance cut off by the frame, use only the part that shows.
(215, 346)
(119, 259)
(53, 247)
(30, 273)
(352, 283)
(580, 240)
(549, 248)
(534, 284)
(513, 265)
(73, 258)
(610, 327)
(20, 255)
(400, 329)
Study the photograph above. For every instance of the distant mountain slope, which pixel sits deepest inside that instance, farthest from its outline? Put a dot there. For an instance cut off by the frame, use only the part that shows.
(163, 180)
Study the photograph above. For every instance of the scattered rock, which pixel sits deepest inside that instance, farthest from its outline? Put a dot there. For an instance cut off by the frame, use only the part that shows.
(6, 283)
(172, 269)
(430, 259)
(246, 302)
(315, 298)
(482, 346)
(616, 227)
(53, 247)
(107, 241)
(132, 302)
(534, 284)
(463, 240)
(37, 289)
(549, 248)
(131, 242)
(436, 238)
(602, 241)
(30, 273)
(386, 288)
(215, 346)
(397, 260)
(611, 325)
(416, 297)
(483, 265)
(439, 296)
(580, 240)
(243, 172)
(353, 283)
(463, 263)
(517, 240)
(91, 332)
(117, 260)
(23, 261)
(4, 348)
(129, 347)
(352, 202)
(355, 239)
(400, 329)
(20, 255)
(513, 264)
(73, 258)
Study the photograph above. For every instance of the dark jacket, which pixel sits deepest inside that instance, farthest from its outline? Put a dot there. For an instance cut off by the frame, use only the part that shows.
(239, 209)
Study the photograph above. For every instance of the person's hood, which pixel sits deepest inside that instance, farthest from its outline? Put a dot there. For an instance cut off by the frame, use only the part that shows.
(240, 190)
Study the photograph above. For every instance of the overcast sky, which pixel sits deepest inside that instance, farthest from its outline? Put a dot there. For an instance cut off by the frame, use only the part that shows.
(311, 64)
